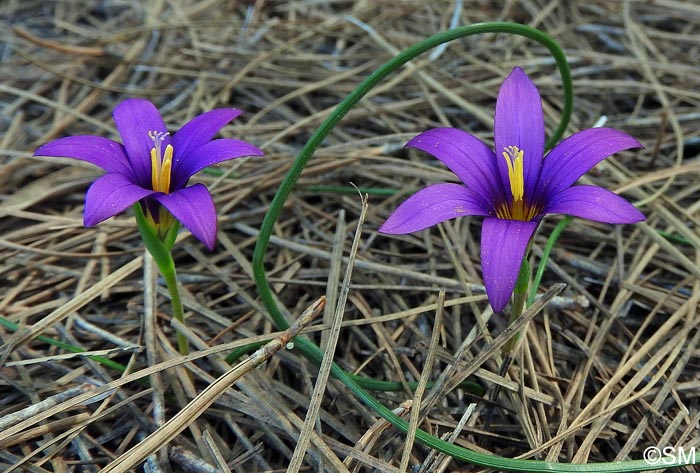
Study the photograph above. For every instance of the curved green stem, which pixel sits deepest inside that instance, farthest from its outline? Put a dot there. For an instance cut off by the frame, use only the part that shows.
(460, 453)
(313, 352)
(354, 97)
(364, 382)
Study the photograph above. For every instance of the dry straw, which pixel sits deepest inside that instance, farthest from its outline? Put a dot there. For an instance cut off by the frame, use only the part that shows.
(598, 381)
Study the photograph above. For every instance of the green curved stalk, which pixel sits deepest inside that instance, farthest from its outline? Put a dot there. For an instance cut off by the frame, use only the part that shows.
(354, 97)
(364, 382)
(313, 352)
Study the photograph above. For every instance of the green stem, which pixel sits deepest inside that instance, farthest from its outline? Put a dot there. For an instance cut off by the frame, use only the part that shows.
(364, 382)
(313, 352)
(351, 190)
(563, 223)
(519, 298)
(171, 282)
(160, 249)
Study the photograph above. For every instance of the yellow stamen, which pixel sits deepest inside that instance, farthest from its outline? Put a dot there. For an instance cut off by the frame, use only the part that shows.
(161, 163)
(155, 169)
(518, 208)
(514, 160)
(167, 165)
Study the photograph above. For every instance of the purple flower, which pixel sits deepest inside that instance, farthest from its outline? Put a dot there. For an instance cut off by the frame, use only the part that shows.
(152, 167)
(515, 187)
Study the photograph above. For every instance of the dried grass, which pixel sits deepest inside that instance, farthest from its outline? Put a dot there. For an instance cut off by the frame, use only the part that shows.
(594, 382)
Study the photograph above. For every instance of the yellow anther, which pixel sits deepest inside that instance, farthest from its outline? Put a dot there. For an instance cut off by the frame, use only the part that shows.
(155, 169)
(518, 208)
(166, 167)
(514, 160)
(161, 163)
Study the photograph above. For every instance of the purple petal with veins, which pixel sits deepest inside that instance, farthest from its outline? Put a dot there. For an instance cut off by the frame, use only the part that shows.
(202, 129)
(518, 121)
(105, 153)
(136, 119)
(208, 154)
(194, 208)
(577, 154)
(594, 203)
(433, 205)
(503, 245)
(109, 195)
(465, 155)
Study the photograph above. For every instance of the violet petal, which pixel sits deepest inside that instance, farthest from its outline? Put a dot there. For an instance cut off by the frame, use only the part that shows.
(503, 245)
(208, 154)
(577, 154)
(594, 203)
(201, 129)
(433, 205)
(519, 121)
(135, 119)
(194, 208)
(102, 152)
(109, 195)
(467, 156)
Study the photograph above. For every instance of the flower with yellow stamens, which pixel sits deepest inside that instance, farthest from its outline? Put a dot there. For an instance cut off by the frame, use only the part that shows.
(517, 188)
(153, 168)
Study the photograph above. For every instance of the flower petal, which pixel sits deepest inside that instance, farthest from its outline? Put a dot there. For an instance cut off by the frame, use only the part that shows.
(503, 245)
(184, 166)
(574, 156)
(467, 156)
(109, 195)
(519, 122)
(433, 205)
(594, 203)
(105, 153)
(194, 208)
(201, 129)
(134, 119)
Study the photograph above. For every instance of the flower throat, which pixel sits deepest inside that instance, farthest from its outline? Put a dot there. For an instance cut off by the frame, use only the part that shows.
(516, 209)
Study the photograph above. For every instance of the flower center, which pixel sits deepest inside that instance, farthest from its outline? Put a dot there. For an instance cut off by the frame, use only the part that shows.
(161, 162)
(516, 209)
